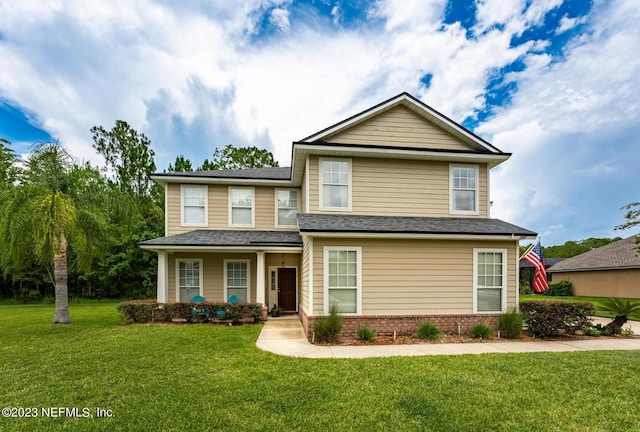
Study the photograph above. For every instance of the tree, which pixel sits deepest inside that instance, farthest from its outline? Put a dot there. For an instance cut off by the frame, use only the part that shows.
(181, 164)
(622, 310)
(239, 158)
(572, 248)
(128, 153)
(9, 170)
(53, 207)
(632, 216)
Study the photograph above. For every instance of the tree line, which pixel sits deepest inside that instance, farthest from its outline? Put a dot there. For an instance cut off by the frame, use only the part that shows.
(76, 226)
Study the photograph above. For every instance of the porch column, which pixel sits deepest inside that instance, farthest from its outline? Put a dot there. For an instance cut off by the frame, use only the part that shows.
(163, 288)
(260, 278)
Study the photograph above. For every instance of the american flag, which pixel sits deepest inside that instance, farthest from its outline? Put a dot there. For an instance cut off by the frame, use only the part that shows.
(534, 256)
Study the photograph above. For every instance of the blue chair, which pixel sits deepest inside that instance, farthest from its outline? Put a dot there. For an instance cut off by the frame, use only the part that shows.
(198, 311)
(233, 299)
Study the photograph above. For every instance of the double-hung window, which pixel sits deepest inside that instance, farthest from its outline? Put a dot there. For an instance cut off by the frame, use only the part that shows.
(286, 208)
(189, 279)
(490, 278)
(343, 279)
(241, 210)
(194, 205)
(464, 189)
(335, 184)
(236, 280)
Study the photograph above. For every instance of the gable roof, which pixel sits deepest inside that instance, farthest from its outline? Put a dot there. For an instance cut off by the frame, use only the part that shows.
(480, 151)
(618, 255)
(328, 223)
(415, 105)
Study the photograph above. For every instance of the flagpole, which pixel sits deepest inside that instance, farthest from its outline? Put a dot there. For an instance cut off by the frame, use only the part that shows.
(531, 246)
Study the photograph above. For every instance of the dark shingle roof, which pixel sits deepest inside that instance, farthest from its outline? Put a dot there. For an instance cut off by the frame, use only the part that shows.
(279, 173)
(621, 254)
(407, 225)
(227, 238)
(548, 262)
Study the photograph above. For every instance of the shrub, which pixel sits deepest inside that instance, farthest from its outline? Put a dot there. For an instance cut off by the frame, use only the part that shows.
(549, 318)
(366, 334)
(622, 310)
(562, 288)
(137, 311)
(327, 328)
(428, 331)
(510, 324)
(591, 331)
(525, 289)
(143, 311)
(481, 331)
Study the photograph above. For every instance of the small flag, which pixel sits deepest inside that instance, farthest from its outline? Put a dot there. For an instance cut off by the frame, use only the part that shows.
(534, 256)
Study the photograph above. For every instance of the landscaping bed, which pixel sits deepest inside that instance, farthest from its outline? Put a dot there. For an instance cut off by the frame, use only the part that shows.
(462, 339)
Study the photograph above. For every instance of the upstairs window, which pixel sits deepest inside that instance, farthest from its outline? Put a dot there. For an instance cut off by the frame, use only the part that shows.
(286, 208)
(241, 207)
(335, 184)
(464, 189)
(194, 205)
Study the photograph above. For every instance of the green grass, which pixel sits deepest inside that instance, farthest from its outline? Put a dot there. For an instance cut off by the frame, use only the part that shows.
(206, 377)
(594, 300)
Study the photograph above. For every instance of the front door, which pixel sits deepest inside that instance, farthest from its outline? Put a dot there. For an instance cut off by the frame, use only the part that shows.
(287, 288)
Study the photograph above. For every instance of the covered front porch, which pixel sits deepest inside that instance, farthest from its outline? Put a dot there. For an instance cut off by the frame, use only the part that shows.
(221, 266)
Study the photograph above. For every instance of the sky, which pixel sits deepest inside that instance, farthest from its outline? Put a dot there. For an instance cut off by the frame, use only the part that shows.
(556, 83)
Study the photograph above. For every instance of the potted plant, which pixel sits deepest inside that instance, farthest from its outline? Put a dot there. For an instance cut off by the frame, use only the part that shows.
(275, 311)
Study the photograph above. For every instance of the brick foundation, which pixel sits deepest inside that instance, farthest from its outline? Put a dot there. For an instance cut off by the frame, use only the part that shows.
(405, 325)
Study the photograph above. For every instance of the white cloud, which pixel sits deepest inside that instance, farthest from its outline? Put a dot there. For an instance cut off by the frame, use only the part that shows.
(567, 23)
(280, 19)
(192, 77)
(571, 129)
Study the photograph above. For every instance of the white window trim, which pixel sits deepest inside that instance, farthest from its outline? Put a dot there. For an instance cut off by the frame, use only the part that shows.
(452, 209)
(349, 186)
(358, 251)
(200, 276)
(297, 191)
(248, 262)
(253, 207)
(503, 308)
(206, 205)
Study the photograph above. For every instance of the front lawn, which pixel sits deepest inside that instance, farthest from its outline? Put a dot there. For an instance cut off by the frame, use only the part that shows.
(594, 300)
(207, 377)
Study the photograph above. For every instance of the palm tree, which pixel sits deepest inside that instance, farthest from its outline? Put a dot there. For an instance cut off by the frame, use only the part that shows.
(622, 309)
(55, 204)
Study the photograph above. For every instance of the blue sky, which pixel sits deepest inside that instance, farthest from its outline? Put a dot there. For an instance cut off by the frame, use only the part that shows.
(554, 82)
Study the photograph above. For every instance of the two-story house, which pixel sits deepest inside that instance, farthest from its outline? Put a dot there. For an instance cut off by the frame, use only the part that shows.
(385, 215)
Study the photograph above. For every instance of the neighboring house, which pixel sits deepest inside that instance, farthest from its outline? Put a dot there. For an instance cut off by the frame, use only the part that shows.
(612, 270)
(385, 214)
(528, 271)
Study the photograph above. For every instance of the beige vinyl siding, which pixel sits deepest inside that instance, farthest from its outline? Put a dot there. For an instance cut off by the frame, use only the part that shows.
(404, 277)
(213, 273)
(621, 283)
(397, 187)
(399, 127)
(172, 212)
(264, 207)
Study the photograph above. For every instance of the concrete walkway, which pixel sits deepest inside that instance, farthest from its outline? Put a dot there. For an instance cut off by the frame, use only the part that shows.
(284, 336)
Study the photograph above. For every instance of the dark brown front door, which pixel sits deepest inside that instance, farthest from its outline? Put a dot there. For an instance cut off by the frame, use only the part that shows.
(287, 289)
